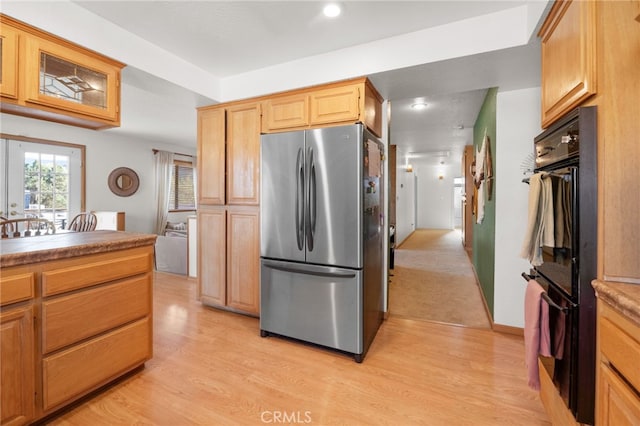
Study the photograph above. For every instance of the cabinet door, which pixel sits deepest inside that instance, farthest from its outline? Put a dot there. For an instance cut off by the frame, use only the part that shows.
(243, 267)
(212, 239)
(17, 367)
(617, 404)
(211, 156)
(61, 77)
(9, 66)
(335, 105)
(286, 112)
(243, 154)
(568, 58)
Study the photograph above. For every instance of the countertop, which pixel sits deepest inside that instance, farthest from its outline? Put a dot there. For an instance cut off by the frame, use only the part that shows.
(23, 251)
(622, 296)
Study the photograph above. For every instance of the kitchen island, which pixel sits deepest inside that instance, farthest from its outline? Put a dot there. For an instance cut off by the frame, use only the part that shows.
(76, 313)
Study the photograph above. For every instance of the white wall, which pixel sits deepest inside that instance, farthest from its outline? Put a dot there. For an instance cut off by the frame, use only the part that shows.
(405, 202)
(104, 152)
(435, 196)
(517, 123)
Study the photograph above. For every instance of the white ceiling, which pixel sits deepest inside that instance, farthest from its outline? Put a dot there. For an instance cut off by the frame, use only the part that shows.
(229, 38)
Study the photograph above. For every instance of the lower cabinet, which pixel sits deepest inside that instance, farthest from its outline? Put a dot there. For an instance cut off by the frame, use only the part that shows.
(229, 258)
(70, 326)
(619, 404)
(618, 380)
(17, 365)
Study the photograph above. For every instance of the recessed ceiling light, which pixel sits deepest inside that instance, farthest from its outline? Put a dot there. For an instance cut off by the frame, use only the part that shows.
(331, 10)
(419, 105)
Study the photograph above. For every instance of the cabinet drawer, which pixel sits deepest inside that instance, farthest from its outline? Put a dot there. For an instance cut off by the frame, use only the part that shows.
(621, 350)
(85, 367)
(79, 276)
(16, 288)
(69, 319)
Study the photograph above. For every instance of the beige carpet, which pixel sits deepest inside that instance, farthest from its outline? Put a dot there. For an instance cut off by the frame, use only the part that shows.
(433, 280)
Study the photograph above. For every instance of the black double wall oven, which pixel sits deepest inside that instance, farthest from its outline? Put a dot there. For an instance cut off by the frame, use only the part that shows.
(566, 154)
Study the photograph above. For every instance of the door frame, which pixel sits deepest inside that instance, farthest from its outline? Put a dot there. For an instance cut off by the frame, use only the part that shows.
(81, 148)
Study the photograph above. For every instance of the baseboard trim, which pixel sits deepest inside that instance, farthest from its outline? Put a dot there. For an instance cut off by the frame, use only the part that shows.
(507, 329)
(405, 239)
(484, 300)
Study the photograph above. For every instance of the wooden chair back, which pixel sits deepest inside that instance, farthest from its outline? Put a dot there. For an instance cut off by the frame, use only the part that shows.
(83, 222)
(26, 227)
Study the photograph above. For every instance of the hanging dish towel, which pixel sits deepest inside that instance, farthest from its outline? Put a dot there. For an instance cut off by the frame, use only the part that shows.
(536, 331)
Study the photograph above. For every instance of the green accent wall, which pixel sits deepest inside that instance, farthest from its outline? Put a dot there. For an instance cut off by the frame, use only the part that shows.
(484, 233)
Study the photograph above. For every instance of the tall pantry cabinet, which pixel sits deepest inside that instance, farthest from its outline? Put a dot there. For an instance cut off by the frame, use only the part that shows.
(228, 213)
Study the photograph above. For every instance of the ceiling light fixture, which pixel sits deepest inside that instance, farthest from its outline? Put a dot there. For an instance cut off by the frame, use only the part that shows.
(331, 10)
(419, 105)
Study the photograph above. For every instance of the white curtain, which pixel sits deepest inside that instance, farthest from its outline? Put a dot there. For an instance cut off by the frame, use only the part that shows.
(163, 168)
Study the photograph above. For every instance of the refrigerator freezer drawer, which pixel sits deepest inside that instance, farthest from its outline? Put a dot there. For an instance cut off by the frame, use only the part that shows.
(316, 304)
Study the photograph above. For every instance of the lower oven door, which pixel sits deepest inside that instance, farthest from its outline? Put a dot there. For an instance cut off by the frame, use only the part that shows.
(561, 366)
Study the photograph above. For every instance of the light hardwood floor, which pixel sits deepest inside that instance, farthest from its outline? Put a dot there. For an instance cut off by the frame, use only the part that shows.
(212, 368)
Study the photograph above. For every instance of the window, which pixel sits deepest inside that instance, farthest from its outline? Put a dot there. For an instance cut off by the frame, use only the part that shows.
(182, 195)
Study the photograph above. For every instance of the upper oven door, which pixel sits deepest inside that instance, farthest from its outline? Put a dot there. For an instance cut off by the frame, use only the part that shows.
(559, 262)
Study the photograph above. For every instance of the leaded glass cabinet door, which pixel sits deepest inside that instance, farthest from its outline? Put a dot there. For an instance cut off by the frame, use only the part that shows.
(64, 78)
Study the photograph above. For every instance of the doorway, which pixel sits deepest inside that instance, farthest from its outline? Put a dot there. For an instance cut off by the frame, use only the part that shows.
(41, 179)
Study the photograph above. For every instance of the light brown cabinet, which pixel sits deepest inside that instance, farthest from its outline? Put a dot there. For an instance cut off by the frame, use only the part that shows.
(243, 259)
(17, 367)
(72, 325)
(211, 156)
(229, 153)
(590, 58)
(229, 274)
(618, 377)
(229, 178)
(9, 67)
(320, 106)
(228, 225)
(49, 78)
(243, 154)
(568, 39)
(286, 112)
(212, 253)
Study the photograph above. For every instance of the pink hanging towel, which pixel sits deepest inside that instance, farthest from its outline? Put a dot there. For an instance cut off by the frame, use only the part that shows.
(536, 331)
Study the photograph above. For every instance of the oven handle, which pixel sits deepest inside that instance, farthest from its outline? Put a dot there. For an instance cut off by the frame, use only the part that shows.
(546, 297)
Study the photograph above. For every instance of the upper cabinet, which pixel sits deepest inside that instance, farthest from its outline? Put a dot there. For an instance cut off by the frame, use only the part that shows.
(568, 39)
(243, 154)
(329, 105)
(49, 78)
(9, 68)
(211, 156)
(229, 154)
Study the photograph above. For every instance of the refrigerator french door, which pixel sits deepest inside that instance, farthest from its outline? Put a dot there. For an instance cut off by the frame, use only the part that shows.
(321, 245)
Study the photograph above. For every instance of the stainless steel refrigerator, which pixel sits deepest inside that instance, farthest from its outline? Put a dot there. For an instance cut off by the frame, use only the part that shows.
(321, 212)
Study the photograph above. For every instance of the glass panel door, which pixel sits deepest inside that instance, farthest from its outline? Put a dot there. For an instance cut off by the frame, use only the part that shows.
(43, 181)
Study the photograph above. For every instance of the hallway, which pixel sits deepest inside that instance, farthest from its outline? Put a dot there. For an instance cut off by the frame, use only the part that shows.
(433, 280)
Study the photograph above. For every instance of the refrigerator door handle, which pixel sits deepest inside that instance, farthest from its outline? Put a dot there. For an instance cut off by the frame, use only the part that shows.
(300, 199)
(311, 201)
(321, 271)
